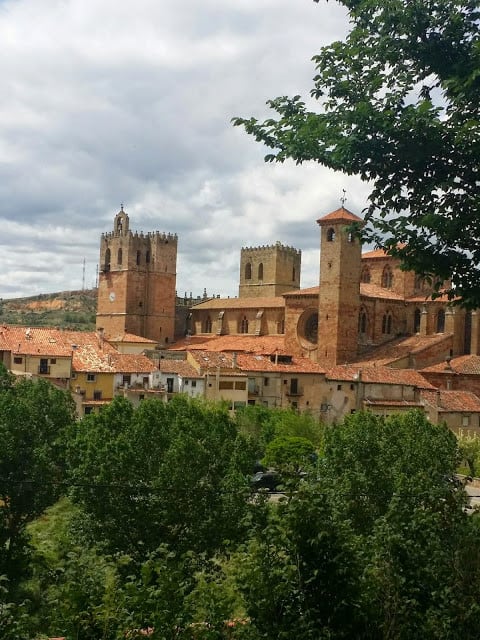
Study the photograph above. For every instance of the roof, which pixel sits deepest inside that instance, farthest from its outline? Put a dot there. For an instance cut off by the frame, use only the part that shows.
(129, 337)
(246, 362)
(44, 341)
(87, 358)
(213, 360)
(466, 365)
(241, 303)
(455, 401)
(340, 215)
(402, 348)
(392, 403)
(378, 375)
(310, 291)
(243, 343)
(375, 253)
(178, 367)
(374, 291)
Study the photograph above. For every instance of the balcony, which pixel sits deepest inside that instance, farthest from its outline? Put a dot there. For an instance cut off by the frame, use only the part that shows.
(294, 392)
(43, 370)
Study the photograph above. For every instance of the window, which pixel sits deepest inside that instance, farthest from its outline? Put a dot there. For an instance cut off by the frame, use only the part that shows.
(225, 384)
(208, 325)
(294, 274)
(88, 410)
(97, 395)
(17, 360)
(365, 276)
(330, 235)
(339, 387)
(362, 322)
(53, 361)
(126, 379)
(387, 323)
(240, 385)
(139, 255)
(387, 277)
(260, 271)
(91, 377)
(266, 382)
(441, 321)
(248, 271)
(119, 256)
(147, 257)
(74, 375)
(465, 421)
(185, 383)
(194, 383)
(416, 320)
(244, 325)
(107, 260)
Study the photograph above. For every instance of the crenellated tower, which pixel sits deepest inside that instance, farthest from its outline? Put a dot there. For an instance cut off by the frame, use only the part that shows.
(136, 288)
(269, 271)
(339, 294)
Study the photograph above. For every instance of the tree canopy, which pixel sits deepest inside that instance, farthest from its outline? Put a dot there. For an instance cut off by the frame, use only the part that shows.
(398, 106)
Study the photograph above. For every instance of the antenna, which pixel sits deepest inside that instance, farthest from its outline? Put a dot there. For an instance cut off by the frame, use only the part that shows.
(343, 199)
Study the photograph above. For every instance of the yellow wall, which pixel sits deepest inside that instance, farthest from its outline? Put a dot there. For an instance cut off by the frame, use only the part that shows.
(103, 382)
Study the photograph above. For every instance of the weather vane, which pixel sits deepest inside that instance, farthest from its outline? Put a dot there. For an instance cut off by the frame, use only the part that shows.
(343, 199)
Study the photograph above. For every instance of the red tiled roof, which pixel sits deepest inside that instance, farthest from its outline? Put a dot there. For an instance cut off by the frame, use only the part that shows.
(378, 375)
(459, 401)
(180, 367)
(47, 341)
(245, 343)
(374, 291)
(340, 215)
(401, 348)
(393, 403)
(87, 358)
(375, 253)
(310, 291)
(467, 365)
(251, 362)
(241, 303)
(129, 337)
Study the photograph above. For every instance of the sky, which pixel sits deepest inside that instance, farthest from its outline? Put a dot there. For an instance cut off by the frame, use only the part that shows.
(107, 103)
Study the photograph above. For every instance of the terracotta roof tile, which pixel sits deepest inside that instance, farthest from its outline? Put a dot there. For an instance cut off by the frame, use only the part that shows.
(393, 403)
(374, 291)
(179, 367)
(241, 303)
(88, 358)
(378, 375)
(208, 360)
(128, 337)
(340, 215)
(375, 253)
(466, 365)
(310, 291)
(47, 341)
(251, 362)
(458, 401)
(244, 343)
(402, 347)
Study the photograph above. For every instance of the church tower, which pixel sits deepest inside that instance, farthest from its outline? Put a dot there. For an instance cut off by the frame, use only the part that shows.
(267, 272)
(137, 279)
(339, 295)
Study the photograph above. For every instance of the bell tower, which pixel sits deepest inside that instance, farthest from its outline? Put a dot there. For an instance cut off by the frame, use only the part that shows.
(137, 279)
(339, 295)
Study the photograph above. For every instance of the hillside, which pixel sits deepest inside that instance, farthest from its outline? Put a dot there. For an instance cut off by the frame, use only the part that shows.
(68, 309)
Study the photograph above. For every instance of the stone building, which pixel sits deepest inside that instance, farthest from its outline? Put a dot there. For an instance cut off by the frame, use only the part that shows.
(269, 271)
(136, 288)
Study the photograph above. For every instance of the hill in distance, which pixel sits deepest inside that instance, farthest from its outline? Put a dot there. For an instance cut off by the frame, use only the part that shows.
(67, 310)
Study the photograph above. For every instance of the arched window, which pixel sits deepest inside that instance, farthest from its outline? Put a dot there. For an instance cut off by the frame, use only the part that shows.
(387, 323)
(330, 235)
(416, 320)
(387, 277)
(244, 325)
(281, 326)
(362, 321)
(248, 271)
(208, 325)
(119, 256)
(260, 271)
(294, 273)
(441, 321)
(147, 257)
(107, 260)
(138, 257)
(365, 275)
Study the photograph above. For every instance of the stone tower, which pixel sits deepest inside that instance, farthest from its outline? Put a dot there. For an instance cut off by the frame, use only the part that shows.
(136, 287)
(269, 271)
(339, 295)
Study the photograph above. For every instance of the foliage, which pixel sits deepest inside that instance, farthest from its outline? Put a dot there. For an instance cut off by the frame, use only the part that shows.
(34, 417)
(469, 447)
(289, 454)
(399, 107)
(160, 474)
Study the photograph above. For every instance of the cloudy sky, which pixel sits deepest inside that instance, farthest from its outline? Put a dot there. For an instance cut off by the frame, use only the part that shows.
(106, 102)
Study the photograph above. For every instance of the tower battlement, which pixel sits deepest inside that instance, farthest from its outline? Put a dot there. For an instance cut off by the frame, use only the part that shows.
(269, 270)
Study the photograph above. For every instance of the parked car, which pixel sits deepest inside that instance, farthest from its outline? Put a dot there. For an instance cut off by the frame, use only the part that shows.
(269, 480)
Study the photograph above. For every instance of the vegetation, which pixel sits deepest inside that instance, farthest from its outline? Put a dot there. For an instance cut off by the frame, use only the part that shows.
(398, 106)
(158, 530)
(68, 309)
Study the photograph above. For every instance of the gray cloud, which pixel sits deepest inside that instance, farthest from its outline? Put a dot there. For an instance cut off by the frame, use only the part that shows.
(108, 102)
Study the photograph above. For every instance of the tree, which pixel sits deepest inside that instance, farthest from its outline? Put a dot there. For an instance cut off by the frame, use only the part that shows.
(34, 417)
(399, 107)
(171, 473)
(289, 455)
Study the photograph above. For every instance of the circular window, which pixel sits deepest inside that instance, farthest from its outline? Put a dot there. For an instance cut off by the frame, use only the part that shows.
(307, 328)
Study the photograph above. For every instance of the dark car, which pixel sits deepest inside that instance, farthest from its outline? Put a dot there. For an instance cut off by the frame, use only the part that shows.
(269, 480)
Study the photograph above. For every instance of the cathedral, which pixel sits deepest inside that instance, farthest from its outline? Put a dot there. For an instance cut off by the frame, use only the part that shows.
(363, 303)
